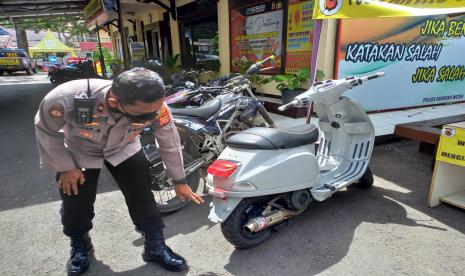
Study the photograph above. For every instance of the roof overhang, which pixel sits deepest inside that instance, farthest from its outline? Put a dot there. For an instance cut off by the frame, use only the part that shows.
(16, 9)
(100, 12)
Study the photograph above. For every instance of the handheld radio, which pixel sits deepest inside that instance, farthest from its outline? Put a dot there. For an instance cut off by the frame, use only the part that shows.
(84, 104)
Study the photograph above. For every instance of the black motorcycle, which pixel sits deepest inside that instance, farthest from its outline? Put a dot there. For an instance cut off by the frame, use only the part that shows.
(83, 70)
(203, 132)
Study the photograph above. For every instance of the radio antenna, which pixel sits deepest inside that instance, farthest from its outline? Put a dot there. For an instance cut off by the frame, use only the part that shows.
(88, 89)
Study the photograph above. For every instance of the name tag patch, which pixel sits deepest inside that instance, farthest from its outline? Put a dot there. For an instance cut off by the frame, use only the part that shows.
(56, 111)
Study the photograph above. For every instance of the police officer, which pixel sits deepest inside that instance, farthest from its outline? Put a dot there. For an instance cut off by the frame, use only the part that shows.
(77, 151)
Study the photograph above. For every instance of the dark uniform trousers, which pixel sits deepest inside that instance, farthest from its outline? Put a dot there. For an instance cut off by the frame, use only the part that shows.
(133, 178)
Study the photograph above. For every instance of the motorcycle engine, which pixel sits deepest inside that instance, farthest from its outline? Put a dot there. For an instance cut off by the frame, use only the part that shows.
(298, 200)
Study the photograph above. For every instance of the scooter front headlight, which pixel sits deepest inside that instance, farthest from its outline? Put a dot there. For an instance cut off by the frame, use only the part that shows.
(243, 186)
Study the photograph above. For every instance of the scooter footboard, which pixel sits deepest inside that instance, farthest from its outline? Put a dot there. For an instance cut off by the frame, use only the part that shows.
(222, 208)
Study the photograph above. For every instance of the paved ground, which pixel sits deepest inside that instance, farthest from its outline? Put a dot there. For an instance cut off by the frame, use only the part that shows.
(387, 230)
(21, 78)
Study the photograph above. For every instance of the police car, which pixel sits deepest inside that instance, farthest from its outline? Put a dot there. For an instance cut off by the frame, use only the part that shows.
(12, 60)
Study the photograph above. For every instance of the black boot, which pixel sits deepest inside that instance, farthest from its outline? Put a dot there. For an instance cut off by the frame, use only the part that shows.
(155, 250)
(81, 252)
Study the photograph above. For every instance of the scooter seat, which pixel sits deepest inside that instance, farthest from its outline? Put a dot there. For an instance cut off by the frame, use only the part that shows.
(203, 112)
(273, 139)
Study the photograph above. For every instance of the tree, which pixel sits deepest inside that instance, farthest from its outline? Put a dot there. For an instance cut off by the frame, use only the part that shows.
(66, 27)
(21, 37)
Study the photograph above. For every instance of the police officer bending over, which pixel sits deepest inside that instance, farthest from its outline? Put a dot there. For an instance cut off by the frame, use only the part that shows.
(76, 138)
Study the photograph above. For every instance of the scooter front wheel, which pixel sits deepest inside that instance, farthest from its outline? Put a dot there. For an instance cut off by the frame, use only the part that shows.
(233, 227)
(366, 181)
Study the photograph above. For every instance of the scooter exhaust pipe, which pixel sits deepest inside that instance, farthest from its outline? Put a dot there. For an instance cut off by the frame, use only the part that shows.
(262, 222)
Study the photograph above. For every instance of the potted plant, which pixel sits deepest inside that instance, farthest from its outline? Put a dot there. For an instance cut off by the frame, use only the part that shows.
(116, 66)
(255, 80)
(289, 85)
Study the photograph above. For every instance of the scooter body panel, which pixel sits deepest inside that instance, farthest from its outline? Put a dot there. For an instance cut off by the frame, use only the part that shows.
(262, 172)
(268, 169)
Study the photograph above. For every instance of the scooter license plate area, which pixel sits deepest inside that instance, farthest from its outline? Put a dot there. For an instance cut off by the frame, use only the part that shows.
(222, 208)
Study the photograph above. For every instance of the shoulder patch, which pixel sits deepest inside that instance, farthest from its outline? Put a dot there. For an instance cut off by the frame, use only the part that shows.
(100, 107)
(56, 111)
(163, 116)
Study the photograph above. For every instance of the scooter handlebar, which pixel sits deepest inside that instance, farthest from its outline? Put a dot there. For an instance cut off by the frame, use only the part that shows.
(373, 76)
(266, 60)
(286, 106)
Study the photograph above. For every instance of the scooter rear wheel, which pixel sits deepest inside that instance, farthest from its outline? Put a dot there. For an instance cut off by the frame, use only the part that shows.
(233, 228)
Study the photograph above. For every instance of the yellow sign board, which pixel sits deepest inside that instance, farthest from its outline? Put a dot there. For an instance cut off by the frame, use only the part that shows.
(9, 61)
(299, 36)
(452, 145)
(325, 9)
(92, 8)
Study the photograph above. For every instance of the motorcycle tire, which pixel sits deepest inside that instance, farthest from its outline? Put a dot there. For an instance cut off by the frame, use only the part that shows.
(29, 71)
(233, 230)
(53, 80)
(165, 188)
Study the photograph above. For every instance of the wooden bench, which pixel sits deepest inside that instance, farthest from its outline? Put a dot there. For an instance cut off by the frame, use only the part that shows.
(427, 132)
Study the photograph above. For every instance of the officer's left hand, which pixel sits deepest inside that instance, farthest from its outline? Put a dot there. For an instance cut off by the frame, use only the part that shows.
(185, 193)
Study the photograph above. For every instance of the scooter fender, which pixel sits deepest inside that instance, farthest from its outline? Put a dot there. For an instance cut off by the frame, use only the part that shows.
(222, 208)
(266, 172)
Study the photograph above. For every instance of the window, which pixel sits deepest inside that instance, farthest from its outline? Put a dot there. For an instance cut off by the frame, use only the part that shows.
(200, 43)
(198, 36)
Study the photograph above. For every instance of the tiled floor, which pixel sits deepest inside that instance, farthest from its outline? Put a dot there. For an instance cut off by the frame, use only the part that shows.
(385, 122)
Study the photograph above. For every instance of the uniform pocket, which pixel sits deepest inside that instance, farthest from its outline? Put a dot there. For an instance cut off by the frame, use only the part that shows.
(135, 129)
(88, 133)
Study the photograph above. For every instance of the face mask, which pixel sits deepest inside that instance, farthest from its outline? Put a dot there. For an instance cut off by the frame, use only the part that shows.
(141, 117)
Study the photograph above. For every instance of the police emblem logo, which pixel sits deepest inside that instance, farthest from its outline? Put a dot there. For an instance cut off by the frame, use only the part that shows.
(100, 107)
(56, 111)
(163, 116)
(330, 7)
(448, 131)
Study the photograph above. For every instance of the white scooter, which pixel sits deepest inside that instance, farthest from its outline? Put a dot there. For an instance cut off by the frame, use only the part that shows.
(267, 175)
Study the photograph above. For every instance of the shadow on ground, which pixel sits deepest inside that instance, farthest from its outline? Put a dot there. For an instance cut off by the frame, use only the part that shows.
(402, 164)
(23, 183)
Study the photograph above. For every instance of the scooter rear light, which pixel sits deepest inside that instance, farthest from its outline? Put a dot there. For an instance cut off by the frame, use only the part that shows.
(222, 168)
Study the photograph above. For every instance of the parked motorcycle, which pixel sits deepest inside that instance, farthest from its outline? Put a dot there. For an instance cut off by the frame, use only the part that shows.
(63, 74)
(204, 130)
(266, 176)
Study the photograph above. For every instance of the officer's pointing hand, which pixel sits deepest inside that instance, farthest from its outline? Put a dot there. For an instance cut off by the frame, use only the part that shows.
(185, 193)
(69, 180)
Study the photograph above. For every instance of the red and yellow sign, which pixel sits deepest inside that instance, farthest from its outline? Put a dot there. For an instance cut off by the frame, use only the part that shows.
(325, 9)
(299, 36)
(256, 33)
